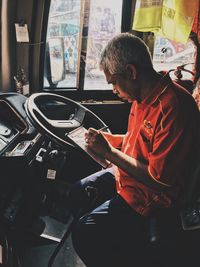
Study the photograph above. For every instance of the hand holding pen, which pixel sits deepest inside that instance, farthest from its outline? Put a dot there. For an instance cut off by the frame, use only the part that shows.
(96, 141)
(93, 132)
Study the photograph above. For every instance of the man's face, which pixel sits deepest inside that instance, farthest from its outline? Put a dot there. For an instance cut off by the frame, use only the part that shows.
(123, 85)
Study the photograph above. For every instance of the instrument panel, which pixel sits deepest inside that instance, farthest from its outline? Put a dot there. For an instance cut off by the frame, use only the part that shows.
(13, 122)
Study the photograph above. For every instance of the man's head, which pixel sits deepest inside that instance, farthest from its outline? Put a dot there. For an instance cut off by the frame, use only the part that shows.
(123, 60)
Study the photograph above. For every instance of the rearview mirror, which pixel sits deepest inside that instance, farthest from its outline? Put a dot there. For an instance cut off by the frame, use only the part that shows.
(54, 61)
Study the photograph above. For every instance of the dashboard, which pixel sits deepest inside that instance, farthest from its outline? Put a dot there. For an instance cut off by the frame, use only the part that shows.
(26, 156)
(29, 161)
(14, 123)
(20, 142)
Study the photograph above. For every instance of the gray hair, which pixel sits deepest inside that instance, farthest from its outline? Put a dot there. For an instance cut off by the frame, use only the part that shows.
(123, 49)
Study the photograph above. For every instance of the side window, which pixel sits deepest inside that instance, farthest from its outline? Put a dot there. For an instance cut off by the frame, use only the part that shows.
(169, 54)
(80, 29)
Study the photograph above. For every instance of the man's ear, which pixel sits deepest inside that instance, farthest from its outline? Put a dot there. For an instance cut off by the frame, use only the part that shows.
(130, 68)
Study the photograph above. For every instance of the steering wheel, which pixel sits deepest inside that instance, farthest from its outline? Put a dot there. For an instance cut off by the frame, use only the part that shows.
(36, 107)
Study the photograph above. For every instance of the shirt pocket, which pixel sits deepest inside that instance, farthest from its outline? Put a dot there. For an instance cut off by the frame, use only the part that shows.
(145, 143)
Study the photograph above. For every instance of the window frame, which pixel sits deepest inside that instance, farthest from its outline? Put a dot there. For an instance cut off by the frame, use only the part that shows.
(79, 91)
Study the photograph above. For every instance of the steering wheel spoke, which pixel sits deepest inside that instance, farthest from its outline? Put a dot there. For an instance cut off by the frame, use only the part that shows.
(66, 124)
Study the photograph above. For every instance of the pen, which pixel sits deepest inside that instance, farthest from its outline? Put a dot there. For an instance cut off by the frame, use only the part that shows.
(103, 128)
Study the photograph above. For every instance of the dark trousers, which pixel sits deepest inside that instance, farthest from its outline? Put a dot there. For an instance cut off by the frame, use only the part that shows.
(109, 233)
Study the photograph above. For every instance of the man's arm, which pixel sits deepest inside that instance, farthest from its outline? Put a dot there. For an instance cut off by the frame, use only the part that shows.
(114, 139)
(133, 167)
(100, 145)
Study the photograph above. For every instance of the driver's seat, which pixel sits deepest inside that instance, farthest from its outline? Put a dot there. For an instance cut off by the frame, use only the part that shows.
(174, 236)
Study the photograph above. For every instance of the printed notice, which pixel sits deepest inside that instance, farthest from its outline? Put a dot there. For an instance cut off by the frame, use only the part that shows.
(78, 138)
(21, 33)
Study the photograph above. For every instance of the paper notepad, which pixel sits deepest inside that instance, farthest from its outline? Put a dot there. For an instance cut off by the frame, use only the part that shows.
(77, 136)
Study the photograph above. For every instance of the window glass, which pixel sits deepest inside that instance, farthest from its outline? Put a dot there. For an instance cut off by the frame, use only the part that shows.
(169, 55)
(104, 23)
(64, 22)
(75, 29)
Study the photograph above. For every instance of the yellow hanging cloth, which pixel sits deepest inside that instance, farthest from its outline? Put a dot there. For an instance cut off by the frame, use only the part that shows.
(172, 19)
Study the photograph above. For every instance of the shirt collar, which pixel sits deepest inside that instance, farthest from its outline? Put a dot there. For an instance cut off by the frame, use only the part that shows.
(158, 89)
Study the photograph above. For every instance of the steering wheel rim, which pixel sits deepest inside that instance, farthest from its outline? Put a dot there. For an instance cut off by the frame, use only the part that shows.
(48, 126)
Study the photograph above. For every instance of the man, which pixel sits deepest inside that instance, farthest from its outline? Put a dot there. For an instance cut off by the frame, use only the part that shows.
(151, 163)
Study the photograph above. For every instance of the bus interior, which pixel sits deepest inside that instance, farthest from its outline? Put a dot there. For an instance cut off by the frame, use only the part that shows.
(51, 85)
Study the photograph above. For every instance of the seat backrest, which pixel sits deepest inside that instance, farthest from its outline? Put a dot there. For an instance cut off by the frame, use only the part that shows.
(193, 193)
(190, 213)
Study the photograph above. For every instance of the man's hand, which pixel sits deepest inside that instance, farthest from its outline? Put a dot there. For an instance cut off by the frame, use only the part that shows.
(97, 142)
